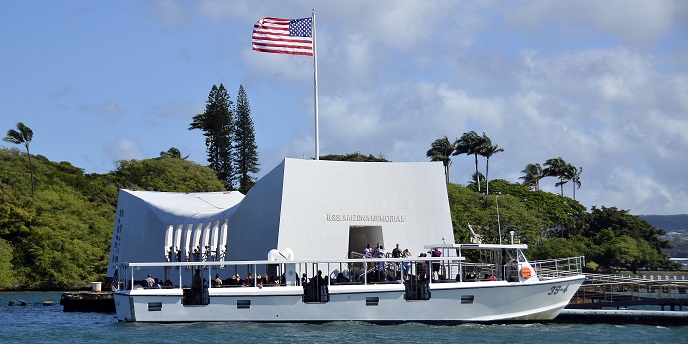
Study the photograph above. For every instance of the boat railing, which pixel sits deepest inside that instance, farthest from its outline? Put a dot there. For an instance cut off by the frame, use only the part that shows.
(291, 272)
(332, 272)
(560, 267)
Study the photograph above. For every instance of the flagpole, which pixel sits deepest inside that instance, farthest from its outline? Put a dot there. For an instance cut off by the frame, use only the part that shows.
(315, 87)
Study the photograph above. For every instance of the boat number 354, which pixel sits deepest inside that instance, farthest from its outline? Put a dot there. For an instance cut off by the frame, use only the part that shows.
(558, 289)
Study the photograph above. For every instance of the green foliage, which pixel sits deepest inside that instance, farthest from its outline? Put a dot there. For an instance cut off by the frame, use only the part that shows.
(561, 248)
(60, 237)
(467, 206)
(166, 174)
(357, 156)
(7, 279)
(556, 226)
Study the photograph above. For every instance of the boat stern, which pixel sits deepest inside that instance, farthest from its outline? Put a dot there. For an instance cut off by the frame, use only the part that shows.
(123, 306)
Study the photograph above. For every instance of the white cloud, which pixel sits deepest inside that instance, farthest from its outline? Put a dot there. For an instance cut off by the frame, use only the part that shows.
(123, 148)
(633, 22)
(108, 108)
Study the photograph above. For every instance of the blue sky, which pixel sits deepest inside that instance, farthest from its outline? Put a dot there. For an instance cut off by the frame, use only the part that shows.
(602, 85)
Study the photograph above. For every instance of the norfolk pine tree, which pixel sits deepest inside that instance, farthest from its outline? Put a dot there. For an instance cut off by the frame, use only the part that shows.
(245, 147)
(217, 124)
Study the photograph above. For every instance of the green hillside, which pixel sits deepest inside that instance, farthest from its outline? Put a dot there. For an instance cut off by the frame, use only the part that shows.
(59, 238)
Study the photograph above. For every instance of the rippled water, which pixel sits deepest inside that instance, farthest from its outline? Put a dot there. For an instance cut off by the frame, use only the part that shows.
(36, 323)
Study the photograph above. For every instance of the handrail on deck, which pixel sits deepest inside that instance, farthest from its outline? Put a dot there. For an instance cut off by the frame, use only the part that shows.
(559, 267)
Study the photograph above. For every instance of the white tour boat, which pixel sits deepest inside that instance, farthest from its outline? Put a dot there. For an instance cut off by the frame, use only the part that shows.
(468, 283)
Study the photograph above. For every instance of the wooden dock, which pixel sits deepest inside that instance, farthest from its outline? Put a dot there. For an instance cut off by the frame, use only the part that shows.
(88, 301)
(619, 292)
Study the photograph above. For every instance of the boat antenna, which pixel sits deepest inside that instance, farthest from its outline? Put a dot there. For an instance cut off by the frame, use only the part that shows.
(475, 236)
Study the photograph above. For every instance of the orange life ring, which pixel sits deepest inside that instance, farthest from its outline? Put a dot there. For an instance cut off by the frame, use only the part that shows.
(526, 272)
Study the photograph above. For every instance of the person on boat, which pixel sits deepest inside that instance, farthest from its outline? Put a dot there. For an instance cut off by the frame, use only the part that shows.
(196, 281)
(249, 282)
(406, 266)
(421, 268)
(435, 265)
(318, 280)
(380, 265)
(150, 281)
(489, 277)
(218, 281)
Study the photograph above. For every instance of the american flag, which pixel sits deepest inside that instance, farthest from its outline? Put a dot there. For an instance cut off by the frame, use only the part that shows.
(284, 36)
(115, 281)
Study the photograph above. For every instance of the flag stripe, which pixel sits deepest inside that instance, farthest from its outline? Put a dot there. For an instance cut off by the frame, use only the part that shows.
(283, 36)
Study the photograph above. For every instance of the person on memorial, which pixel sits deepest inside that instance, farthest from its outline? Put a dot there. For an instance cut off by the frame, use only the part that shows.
(396, 252)
(368, 252)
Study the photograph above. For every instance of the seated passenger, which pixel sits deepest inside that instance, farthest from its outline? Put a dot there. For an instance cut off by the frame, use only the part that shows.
(249, 282)
(218, 281)
(342, 279)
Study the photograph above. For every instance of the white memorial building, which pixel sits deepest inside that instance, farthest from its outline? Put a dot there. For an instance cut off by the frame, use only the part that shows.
(308, 209)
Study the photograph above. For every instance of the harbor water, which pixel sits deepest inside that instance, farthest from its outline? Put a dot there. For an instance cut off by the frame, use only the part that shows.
(36, 323)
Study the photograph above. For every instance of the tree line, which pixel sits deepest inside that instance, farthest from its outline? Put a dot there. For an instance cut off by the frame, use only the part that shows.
(56, 221)
(470, 143)
(553, 226)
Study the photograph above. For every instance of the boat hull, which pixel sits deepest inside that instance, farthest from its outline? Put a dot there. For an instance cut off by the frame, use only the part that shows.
(451, 302)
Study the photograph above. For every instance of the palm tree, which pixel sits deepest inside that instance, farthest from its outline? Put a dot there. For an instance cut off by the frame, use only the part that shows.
(575, 178)
(24, 135)
(470, 143)
(442, 150)
(532, 175)
(173, 152)
(557, 167)
(488, 150)
(531, 179)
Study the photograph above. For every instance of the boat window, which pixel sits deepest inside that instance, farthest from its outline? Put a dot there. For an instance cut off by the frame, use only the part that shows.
(467, 299)
(243, 304)
(154, 306)
(372, 301)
